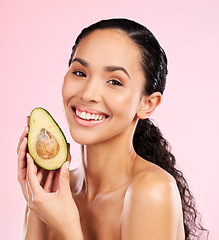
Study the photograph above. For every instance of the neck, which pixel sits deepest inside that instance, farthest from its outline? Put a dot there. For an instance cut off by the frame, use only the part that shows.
(108, 165)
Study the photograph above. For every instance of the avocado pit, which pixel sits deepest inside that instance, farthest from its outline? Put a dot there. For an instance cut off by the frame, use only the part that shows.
(47, 146)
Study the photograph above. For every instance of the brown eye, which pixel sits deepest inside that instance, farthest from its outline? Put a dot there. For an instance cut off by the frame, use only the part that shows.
(79, 73)
(115, 82)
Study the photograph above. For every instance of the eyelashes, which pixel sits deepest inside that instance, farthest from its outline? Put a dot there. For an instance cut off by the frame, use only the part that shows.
(115, 82)
(82, 74)
(79, 73)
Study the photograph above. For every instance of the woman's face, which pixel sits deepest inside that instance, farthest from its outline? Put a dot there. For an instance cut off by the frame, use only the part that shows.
(103, 88)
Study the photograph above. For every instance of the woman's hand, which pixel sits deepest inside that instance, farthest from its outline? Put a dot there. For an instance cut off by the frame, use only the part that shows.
(53, 202)
(22, 163)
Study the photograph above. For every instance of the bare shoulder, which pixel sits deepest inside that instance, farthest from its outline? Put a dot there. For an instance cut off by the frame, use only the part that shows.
(150, 176)
(156, 186)
(152, 199)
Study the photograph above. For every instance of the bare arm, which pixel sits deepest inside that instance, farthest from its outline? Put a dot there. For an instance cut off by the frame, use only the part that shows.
(35, 228)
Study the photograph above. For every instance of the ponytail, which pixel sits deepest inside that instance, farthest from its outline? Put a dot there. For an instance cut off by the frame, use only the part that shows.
(150, 144)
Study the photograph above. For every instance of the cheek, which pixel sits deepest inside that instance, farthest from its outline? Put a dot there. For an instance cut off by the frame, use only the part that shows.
(69, 89)
(124, 104)
(65, 90)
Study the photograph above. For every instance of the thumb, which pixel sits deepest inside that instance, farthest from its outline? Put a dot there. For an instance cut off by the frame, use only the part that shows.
(64, 179)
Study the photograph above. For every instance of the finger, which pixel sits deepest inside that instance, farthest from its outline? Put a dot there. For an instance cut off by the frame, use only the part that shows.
(64, 184)
(29, 192)
(49, 181)
(23, 135)
(40, 174)
(28, 120)
(22, 164)
(55, 185)
(69, 153)
(32, 175)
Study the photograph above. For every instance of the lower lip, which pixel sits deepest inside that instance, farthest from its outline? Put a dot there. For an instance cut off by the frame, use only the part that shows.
(87, 123)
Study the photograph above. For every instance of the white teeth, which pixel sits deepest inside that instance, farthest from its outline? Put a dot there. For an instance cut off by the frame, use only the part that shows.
(88, 116)
(82, 115)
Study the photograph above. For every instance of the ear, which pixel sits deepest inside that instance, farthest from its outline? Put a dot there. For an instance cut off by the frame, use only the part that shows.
(148, 105)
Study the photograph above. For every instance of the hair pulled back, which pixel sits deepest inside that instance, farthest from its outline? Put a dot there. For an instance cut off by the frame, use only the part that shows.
(148, 140)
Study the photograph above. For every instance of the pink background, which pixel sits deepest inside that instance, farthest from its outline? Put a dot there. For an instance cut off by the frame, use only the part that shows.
(35, 44)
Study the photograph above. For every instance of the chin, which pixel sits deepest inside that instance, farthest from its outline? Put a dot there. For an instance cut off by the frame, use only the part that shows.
(85, 139)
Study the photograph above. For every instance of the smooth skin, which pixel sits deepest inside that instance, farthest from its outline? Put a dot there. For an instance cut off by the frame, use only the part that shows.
(115, 194)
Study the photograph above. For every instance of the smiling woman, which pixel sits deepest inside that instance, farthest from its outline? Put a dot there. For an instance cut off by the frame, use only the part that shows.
(128, 186)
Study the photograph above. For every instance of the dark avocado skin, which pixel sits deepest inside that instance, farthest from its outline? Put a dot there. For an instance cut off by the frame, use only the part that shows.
(30, 145)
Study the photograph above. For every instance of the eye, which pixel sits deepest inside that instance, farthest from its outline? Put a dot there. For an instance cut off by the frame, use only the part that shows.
(115, 82)
(79, 73)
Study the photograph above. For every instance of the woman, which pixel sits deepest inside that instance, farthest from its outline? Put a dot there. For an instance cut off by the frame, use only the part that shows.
(128, 186)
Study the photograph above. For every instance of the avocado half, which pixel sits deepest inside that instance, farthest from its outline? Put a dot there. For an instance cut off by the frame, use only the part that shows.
(46, 142)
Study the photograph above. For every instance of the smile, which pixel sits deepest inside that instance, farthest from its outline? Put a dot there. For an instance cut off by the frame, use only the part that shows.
(88, 117)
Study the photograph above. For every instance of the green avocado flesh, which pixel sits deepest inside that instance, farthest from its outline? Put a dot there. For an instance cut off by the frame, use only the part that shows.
(46, 142)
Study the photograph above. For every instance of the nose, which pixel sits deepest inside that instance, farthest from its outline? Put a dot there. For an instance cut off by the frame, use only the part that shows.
(91, 91)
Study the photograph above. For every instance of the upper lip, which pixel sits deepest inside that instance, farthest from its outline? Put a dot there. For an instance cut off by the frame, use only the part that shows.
(89, 110)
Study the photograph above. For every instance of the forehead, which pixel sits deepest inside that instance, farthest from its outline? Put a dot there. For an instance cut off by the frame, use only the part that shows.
(109, 47)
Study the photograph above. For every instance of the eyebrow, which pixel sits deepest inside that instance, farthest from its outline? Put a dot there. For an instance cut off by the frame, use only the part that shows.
(81, 61)
(117, 68)
(107, 68)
